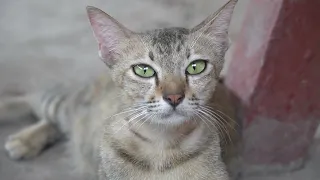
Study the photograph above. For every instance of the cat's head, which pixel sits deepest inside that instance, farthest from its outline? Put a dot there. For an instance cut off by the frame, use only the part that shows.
(167, 73)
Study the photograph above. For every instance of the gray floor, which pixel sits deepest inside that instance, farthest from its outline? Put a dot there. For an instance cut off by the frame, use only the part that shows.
(52, 164)
(44, 42)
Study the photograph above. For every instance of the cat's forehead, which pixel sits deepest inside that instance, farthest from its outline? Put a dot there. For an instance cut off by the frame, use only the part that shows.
(167, 41)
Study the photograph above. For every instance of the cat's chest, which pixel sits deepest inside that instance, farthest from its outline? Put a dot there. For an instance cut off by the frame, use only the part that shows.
(196, 168)
(157, 152)
(146, 153)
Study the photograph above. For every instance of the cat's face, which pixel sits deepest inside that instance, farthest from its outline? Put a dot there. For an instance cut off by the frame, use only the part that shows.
(169, 74)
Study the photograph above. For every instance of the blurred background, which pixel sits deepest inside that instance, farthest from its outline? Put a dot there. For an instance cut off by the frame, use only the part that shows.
(46, 42)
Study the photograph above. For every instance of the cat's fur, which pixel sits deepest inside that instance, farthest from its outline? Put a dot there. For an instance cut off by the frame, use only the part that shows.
(120, 127)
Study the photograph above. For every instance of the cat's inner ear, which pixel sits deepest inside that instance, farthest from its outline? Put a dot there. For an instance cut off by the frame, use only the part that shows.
(216, 26)
(108, 32)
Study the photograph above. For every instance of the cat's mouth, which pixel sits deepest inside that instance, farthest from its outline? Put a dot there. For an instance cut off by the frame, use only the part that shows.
(167, 115)
(172, 113)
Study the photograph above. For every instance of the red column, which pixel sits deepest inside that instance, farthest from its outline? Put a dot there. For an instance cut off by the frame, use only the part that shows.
(275, 72)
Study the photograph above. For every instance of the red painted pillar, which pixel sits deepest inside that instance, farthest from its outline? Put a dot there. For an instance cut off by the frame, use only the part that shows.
(275, 72)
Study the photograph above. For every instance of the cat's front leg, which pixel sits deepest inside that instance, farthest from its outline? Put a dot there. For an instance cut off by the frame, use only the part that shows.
(30, 141)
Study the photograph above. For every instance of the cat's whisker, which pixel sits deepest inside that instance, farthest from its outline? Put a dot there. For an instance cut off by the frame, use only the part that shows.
(140, 118)
(211, 110)
(217, 110)
(146, 119)
(137, 115)
(220, 121)
(215, 115)
(127, 110)
(135, 112)
(203, 120)
(212, 113)
(217, 125)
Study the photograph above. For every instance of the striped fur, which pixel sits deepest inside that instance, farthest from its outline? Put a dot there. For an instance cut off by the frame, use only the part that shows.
(121, 126)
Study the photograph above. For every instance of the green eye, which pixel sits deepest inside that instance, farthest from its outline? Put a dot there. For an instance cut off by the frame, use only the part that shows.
(196, 67)
(143, 70)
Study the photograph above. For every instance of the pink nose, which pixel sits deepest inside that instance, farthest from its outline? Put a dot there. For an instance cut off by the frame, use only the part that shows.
(174, 99)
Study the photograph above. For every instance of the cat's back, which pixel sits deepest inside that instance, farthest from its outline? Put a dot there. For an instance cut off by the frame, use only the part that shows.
(67, 104)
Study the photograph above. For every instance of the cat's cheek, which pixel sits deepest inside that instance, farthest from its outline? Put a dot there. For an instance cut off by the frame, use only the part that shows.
(150, 95)
(198, 85)
(203, 90)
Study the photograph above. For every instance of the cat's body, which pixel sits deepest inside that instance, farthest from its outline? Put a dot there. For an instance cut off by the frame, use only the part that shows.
(152, 119)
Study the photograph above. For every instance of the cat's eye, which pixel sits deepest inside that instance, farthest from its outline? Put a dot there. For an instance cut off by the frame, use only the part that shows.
(196, 67)
(143, 70)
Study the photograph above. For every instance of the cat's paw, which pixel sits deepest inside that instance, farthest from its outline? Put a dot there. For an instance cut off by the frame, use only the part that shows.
(17, 148)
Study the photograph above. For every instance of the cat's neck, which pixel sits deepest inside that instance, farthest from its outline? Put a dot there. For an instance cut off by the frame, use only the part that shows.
(169, 135)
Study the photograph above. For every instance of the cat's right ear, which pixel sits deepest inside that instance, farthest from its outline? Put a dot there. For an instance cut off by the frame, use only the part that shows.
(108, 32)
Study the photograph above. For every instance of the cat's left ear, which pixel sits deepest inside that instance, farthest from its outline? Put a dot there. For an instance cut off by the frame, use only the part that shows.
(216, 26)
(108, 32)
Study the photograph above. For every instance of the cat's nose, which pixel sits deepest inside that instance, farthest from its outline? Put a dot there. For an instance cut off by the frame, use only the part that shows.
(173, 99)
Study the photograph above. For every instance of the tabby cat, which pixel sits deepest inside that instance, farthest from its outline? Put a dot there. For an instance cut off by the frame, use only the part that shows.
(156, 118)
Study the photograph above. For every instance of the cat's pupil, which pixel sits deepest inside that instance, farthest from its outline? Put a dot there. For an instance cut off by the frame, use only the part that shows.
(145, 70)
(194, 66)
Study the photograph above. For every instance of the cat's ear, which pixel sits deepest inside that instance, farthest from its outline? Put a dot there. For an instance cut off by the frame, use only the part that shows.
(108, 32)
(216, 25)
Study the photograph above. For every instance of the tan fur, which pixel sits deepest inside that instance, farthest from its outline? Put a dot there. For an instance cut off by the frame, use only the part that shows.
(172, 85)
(30, 141)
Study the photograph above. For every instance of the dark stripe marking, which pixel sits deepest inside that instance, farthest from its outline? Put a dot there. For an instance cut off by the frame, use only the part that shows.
(126, 156)
(172, 163)
(188, 53)
(47, 107)
(58, 104)
(151, 56)
(140, 136)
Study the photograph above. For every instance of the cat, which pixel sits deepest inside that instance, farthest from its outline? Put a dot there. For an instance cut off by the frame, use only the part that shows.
(154, 115)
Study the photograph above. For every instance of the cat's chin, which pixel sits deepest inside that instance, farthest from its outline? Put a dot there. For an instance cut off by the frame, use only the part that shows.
(171, 119)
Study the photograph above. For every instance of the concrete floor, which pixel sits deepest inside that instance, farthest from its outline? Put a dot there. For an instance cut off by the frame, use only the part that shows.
(44, 42)
(52, 164)
(55, 163)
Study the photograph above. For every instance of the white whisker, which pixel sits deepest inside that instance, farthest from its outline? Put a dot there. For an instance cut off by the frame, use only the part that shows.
(136, 114)
(219, 121)
(211, 110)
(217, 110)
(217, 125)
(127, 110)
(203, 120)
